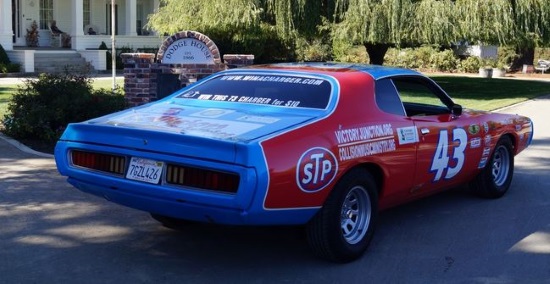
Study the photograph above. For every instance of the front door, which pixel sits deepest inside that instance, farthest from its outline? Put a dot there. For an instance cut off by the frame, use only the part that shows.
(443, 151)
(443, 139)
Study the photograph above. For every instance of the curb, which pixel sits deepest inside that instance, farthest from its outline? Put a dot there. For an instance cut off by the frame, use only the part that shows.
(24, 148)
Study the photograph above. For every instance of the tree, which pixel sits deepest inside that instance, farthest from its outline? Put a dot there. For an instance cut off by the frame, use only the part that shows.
(376, 24)
(251, 25)
(531, 28)
(247, 25)
(234, 25)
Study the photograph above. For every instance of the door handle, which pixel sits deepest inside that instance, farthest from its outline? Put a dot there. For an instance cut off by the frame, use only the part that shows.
(424, 131)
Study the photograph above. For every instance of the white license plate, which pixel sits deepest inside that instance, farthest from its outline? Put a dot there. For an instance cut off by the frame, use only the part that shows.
(145, 170)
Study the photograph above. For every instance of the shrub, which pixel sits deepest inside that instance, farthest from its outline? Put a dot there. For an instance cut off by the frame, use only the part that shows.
(263, 41)
(312, 50)
(507, 56)
(9, 67)
(109, 58)
(471, 64)
(444, 61)
(542, 53)
(346, 52)
(4, 59)
(41, 109)
(5, 64)
(415, 58)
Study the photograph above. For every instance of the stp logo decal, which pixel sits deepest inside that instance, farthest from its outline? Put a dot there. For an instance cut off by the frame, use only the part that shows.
(316, 168)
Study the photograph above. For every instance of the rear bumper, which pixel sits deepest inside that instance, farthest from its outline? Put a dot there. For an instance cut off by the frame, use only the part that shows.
(188, 210)
(243, 208)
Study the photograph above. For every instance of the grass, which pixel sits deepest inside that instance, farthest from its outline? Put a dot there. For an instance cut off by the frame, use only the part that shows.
(5, 95)
(490, 94)
(107, 83)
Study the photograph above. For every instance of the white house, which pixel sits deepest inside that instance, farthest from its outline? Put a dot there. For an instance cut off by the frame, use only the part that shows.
(75, 17)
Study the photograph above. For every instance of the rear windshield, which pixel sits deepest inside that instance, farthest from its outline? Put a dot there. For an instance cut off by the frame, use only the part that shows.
(276, 90)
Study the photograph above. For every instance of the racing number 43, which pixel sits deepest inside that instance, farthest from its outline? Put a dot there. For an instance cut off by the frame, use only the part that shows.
(441, 158)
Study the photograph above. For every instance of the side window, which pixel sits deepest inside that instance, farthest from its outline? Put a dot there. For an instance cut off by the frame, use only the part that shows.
(421, 97)
(387, 97)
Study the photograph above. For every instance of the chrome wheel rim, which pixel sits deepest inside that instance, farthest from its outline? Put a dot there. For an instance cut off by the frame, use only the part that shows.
(355, 215)
(501, 165)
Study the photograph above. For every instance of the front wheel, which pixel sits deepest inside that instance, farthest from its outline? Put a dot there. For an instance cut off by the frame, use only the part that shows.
(342, 230)
(495, 179)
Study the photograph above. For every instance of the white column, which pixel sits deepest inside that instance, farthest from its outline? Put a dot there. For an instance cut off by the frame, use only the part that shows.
(6, 32)
(131, 17)
(77, 24)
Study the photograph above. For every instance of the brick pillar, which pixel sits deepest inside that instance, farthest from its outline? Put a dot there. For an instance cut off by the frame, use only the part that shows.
(238, 60)
(139, 83)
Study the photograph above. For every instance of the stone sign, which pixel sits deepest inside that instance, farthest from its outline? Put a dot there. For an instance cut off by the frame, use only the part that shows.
(188, 47)
(188, 51)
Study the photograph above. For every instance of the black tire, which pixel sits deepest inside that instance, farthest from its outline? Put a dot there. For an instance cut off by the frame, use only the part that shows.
(495, 179)
(343, 228)
(170, 222)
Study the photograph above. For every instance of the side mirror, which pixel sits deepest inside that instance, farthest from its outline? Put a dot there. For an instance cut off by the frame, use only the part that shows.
(456, 110)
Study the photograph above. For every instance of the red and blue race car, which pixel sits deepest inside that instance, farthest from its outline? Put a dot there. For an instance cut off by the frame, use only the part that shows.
(318, 144)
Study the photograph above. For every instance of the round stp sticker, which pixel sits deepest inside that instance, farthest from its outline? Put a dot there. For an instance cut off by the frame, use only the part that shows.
(316, 168)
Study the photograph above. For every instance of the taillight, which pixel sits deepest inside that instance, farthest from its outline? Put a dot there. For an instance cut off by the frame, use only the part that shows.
(100, 162)
(201, 178)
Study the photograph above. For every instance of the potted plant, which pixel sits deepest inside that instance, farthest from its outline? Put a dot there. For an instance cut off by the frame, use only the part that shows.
(32, 35)
(499, 70)
(486, 71)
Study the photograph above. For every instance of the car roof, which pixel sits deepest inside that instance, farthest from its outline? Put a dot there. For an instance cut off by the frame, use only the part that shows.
(375, 71)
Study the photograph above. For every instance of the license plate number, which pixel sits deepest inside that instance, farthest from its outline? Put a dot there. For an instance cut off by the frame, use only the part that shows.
(145, 170)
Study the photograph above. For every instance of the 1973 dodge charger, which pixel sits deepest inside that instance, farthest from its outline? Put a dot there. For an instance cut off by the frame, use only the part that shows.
(322, 145)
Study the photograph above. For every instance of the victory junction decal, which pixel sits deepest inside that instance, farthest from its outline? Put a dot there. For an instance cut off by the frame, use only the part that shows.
(364, 141)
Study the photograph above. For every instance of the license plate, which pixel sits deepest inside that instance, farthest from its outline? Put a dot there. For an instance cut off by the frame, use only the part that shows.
(145, 170)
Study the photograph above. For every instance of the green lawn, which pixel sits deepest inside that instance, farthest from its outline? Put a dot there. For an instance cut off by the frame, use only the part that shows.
(5, 94)
(490, 94)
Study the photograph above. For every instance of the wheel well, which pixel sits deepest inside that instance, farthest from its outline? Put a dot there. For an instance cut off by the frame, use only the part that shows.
(512, 139)
(377, 174)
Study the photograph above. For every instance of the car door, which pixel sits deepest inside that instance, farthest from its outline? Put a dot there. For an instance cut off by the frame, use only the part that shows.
(443, 149)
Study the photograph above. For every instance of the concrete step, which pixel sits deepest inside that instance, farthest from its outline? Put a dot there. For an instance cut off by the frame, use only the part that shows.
(61, 62)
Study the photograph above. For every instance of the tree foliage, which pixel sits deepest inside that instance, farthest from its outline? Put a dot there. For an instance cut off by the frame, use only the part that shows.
(174, 16)
(377, 24)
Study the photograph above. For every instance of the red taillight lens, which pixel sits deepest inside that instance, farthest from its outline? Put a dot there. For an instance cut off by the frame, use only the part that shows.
(100, 162)
(201, 178)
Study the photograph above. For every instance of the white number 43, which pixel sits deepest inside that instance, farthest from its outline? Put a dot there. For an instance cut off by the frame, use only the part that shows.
(440, 161)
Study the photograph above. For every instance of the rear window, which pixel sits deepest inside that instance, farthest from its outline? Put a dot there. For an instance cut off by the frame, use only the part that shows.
(276, 90)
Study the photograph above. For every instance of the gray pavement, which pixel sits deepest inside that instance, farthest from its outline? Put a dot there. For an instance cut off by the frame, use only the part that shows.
(52, 233)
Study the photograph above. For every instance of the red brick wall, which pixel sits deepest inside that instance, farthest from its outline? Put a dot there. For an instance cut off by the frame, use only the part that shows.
(141, 70)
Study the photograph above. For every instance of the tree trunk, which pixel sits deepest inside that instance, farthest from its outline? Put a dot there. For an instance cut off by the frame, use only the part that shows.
(526, 56)
(376, 52)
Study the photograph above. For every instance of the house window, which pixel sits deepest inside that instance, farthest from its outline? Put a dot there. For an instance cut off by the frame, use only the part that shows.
(86, 12)
(46, 14)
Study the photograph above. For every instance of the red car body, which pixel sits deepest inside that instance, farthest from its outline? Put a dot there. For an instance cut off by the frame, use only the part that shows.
(323, 145)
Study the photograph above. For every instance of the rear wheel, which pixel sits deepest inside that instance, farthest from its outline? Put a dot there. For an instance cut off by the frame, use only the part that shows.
(342, 230)
(495, 179)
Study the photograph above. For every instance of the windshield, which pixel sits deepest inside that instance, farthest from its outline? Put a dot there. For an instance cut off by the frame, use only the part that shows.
(276, 90)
